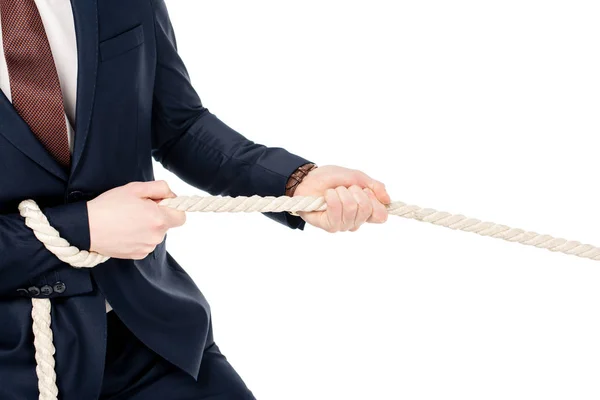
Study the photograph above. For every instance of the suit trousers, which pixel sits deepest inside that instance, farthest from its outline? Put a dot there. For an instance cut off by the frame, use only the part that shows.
(134, 372)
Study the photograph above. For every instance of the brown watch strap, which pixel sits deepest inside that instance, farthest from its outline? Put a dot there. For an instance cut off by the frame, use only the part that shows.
(297, 177)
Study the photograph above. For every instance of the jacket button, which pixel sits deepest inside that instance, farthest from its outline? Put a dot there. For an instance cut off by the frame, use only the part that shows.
(34, 291)
(75, 195)
(46, 290)
(60, 287)
(23, 292)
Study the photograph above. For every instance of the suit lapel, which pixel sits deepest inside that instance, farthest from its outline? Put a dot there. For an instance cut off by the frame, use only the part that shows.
(18, 133)
(85, 13)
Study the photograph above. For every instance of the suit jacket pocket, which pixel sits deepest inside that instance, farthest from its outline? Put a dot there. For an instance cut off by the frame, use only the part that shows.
(122, 43)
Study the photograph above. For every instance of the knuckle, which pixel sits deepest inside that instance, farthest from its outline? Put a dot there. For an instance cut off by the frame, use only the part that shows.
(157, 217)
(358, 173)
(365, 202)
(349, 202)
(330, 195)
(335, 202)
(360, 197)
(351, 206)
(159, 225)
(334, 205)
(363, 217)
(382, 216)
(133, 186)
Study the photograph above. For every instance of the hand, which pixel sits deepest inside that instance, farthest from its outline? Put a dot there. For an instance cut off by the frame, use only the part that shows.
(352, 197)
(127, 222)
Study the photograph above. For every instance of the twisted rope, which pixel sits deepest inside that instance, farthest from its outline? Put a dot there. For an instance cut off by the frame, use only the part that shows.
(440, 218)
(50, 237)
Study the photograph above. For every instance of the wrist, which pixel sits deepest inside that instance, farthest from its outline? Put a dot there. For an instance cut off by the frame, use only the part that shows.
(296, 178)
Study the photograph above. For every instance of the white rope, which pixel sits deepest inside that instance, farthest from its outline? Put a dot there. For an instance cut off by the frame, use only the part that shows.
(50, 237)
(40, 311)
(441, 218)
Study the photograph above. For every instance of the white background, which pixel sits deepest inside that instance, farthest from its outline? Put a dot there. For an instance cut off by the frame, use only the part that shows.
(489, 109)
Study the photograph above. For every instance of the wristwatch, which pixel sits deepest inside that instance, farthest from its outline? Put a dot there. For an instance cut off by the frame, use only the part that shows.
(295, 179)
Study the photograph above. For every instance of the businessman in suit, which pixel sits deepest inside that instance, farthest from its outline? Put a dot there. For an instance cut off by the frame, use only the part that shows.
(91, 92)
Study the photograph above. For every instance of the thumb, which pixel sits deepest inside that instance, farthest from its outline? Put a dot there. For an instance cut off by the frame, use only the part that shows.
(378, 188)
(156, 190)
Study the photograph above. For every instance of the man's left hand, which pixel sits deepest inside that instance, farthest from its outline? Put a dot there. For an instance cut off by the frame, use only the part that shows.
(352, 198)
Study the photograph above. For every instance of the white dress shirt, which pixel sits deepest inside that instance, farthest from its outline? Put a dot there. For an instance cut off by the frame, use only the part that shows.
(57, 17)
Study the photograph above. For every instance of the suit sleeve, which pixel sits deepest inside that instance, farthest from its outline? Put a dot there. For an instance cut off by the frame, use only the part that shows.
(24, 259)
(191, 142)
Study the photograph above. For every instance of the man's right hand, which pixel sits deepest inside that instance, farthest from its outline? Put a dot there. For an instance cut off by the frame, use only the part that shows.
(127, 222)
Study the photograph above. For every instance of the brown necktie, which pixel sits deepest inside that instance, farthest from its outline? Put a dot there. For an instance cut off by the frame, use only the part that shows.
(34, 84)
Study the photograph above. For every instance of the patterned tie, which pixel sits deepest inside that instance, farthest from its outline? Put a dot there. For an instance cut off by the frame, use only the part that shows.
(34, 84)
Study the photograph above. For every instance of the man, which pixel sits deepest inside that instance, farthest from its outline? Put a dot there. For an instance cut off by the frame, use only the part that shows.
(91, 92)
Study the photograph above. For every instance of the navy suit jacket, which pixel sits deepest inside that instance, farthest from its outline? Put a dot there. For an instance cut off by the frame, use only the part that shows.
(135, 103)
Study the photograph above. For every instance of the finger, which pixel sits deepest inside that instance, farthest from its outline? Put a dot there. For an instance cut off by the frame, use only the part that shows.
(152, 189)
(365, 181)
(172, 195)
(380, 192)
(380, 213)
(173, 218)
(332, 217)
(365, 207)
(349, 208)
